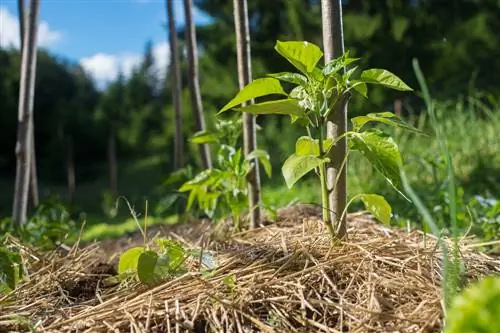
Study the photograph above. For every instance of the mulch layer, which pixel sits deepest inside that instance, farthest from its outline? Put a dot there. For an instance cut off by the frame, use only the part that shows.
(283, 277)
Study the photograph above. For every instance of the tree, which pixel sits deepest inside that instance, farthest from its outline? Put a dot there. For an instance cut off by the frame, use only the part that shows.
(26, 101)
(177, 87)
(33, 172)
(194, 84)
(249, 133)
(333, 43)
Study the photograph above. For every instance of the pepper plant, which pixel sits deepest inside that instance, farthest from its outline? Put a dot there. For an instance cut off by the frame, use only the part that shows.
(317, 92)
(223, 190)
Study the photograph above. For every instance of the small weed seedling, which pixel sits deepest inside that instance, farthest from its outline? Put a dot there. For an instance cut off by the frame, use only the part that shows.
(151, 267)
(223, 190)
(318, 92)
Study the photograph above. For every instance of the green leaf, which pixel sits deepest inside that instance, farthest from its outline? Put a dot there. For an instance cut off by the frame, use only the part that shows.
(384, 78)
(295, 78)
(308, 146)
(173, 250)
(146, 267)
(337, 64)
(388, 118)
(378, 206)
(263, 158)
(257, 88)
(203, 137)
(7, 272)
(303, 55)
(199, 179)
(129, 259)
(360, 87)
(296, 167)
(283, 106)
(382, 152)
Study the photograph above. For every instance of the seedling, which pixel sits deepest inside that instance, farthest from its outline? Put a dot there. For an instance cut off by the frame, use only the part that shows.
(223, 189)
(318, 91)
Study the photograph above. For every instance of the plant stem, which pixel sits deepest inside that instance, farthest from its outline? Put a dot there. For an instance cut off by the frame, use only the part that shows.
(324, 189)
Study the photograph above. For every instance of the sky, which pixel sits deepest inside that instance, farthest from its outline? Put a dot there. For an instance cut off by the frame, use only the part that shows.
(104, 36)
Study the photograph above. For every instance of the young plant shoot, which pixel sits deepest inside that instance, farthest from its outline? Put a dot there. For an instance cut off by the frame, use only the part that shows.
(223, 190)
(317, 92)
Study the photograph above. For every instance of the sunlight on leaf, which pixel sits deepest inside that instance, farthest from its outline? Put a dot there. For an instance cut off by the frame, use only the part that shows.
(303, 55)
(388, 118)
(384, 78)
(296, 167)
(295, 78)
(263, 158)
(378, 206)
(308, 146)
(257, 88)
(129, 260)
(203, 137)
(282, 106)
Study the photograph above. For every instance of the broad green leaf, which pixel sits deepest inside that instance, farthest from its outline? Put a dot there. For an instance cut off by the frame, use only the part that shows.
(202, 137)
(388, 118)
(303, 55)
(146, 267)
(308, 146)
(7, 272)
(129, 259)
(382, 152)
(282, 106)
(296, 167)
(295, 78)
(384, 78)
(360, 87)
(263, 158)
(199, 179)
(378, 206)
(257, 88)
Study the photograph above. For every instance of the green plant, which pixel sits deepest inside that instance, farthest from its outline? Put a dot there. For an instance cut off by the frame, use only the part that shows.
(318, 92)
(50, 224)
(223, 190)
(10, 272)
(476, 309)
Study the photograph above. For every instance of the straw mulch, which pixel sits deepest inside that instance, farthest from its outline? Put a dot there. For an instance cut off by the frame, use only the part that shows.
(287, 278)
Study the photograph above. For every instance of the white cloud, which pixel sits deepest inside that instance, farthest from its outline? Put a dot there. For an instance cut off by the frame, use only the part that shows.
(9, 31)
(104, 68)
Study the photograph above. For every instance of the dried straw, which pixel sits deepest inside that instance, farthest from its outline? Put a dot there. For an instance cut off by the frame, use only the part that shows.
(288, 278)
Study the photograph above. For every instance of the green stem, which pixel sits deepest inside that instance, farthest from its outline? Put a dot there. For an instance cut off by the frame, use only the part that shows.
(324, 189)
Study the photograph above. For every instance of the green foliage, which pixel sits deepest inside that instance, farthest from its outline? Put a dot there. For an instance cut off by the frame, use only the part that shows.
(223, 190)
(318, 92)
(46, 228)
(151, 267)
(476, 309)
(9, 271)
(378, 206)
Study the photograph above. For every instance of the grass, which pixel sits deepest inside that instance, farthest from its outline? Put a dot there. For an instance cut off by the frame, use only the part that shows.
(472, 141)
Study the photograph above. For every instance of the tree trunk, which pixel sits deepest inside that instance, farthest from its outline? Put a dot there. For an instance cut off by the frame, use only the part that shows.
(112, 165)
(194, 84)
(177, 87)
(249, 133)
(26, 100)
(333, 43)
(33, 173)
(70, 165)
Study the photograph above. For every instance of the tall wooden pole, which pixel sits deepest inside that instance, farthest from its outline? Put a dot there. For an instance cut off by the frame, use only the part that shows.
(26, 101)
(249, 134)
(333, 43)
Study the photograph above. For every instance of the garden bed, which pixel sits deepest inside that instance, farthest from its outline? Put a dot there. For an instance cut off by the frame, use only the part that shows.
(284, 277)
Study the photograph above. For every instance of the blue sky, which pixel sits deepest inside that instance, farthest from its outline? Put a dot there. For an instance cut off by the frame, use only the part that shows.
(103, 35)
